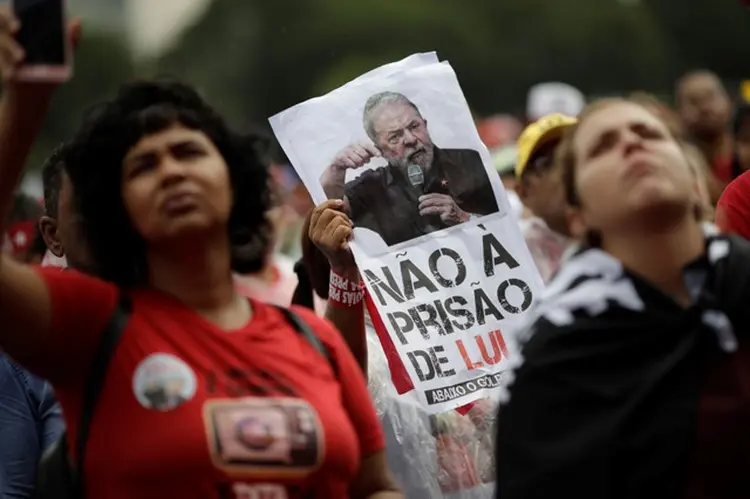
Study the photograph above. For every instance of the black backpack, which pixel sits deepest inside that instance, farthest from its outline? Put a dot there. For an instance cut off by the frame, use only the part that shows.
(57, 476)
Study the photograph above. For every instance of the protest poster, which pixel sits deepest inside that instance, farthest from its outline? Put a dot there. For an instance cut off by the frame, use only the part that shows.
(443, 261)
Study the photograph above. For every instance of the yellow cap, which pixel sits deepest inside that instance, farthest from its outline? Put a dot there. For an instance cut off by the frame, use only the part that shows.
(537, 134)
(746, 90)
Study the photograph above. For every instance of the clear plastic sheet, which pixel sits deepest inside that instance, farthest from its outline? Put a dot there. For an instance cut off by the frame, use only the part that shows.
(449, 455)
(547, 247)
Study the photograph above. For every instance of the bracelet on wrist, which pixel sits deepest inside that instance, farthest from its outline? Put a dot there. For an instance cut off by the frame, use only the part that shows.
(343, 292)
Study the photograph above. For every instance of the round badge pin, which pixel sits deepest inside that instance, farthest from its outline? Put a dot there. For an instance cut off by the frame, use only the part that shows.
(163, 382)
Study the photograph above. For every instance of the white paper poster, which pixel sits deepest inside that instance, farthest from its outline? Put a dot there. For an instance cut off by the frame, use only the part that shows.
(442, 257)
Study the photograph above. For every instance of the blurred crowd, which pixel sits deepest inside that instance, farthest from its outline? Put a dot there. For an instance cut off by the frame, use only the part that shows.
(709, 122)
(708, 119)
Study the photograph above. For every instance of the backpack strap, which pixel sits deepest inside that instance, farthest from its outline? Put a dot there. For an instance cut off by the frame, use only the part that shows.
(96, 377)
(304, 329)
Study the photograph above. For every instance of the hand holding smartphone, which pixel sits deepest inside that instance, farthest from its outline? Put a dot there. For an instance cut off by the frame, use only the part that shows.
(44, 39)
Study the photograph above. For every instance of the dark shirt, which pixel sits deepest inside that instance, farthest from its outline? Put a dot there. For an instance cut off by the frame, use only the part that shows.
(384, 201)
(30, 421)
(631, 402)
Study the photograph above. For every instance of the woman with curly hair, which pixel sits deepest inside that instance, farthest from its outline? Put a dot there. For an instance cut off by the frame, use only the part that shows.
(207, 394)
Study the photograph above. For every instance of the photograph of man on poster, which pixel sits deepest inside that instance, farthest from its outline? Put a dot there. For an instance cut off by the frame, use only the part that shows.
(422, 189)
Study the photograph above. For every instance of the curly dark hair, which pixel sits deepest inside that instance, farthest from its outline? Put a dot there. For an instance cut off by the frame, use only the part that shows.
(95, 168)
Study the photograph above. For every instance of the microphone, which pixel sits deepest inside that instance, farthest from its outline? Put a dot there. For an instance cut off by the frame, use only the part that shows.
(428, 223)
(416, 176)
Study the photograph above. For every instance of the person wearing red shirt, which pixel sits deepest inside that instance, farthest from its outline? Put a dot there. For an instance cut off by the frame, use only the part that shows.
(733, 209)
(208, 394)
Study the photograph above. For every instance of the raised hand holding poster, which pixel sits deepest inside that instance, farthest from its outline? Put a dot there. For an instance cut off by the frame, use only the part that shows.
(443, 259)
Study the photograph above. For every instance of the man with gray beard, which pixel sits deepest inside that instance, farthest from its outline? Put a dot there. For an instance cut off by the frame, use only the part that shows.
(422, 189)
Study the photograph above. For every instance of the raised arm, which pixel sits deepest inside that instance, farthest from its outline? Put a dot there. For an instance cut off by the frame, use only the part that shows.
(23, 107)
(330, 231)
(25, 307)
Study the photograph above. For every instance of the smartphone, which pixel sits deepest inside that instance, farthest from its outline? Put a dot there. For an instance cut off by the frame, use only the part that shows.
(44, 39)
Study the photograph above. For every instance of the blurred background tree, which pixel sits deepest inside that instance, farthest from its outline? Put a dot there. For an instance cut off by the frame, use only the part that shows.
(253, 58)
(258, 58)
(102, 63)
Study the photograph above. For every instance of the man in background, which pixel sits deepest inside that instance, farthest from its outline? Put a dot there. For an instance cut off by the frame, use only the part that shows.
(60, 225)
(539, 185)
(705, 109)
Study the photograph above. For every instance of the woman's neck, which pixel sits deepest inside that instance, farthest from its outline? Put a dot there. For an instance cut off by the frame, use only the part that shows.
(198, 273)
(659, 255)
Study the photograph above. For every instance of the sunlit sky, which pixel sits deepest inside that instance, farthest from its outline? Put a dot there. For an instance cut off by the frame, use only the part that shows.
(153, 25)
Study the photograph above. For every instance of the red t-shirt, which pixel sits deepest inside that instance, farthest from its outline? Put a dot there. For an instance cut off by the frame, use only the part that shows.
(190, 410)
(733, 209)
(721, 166)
